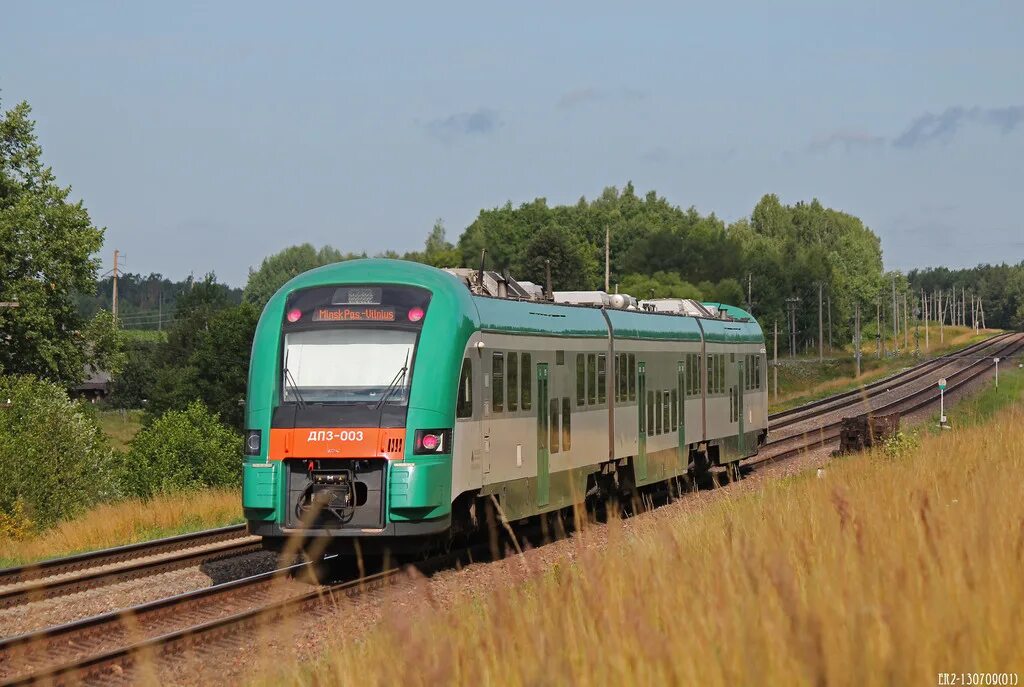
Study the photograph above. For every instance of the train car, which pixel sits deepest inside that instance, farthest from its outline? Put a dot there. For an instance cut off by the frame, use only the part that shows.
(390, 402)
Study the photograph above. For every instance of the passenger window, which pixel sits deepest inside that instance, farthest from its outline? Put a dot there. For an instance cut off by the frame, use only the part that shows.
(513, 382)
(721, 374)
(658, 426)
(666, 415)
(591, 378)
(464, 405)
(602, 380)
(559, 357)
(553, 426)
(651, 412)
(498, 382)
(526, 381)
(581, 380)
(632, 372)
(675, 410)
(566, 425)
(711, 374)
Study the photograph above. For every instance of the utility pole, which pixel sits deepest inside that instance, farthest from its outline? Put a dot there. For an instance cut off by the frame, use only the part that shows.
(926, 303)
(607, 257)
(791, 304)
(750, 292)
(117, 254)
(830, 323)
(982, 307)
(856, 338)
(906, 326)
(878, 325)
(895, 318)
(775, 360)
(821, 325)
(942, 319)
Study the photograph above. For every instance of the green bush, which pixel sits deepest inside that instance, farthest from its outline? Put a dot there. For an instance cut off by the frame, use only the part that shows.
(183, 450)
(54, 460)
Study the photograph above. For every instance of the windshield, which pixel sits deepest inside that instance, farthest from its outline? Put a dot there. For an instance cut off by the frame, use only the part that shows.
(342, 365)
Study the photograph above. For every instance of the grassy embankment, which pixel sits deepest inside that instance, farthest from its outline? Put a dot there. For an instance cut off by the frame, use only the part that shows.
(804, 379)
(891, 567)
(125, 523)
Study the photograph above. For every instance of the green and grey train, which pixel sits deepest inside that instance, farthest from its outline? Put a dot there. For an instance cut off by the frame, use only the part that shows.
(389, 402)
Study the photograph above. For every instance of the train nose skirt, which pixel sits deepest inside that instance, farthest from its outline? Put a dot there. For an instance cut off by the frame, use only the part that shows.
(336, 497)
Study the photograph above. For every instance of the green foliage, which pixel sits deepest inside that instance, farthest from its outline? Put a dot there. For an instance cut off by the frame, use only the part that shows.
(54, 459)
(182, 450)
(572, 263)
(134, 385)
(143, 303)
(901, 444)
(106, 343)
(659, 285)
(277, 269)
(784, 251)
(46, 248)
(206, 358)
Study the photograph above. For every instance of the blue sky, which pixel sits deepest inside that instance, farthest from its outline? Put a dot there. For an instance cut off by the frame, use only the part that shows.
(204, 137)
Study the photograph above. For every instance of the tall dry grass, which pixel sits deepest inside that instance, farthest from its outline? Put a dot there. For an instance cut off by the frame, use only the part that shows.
(886, 570)
(127, 522)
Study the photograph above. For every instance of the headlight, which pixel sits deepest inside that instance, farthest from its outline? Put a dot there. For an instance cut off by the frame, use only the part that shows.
(428, 441)
(253, 442)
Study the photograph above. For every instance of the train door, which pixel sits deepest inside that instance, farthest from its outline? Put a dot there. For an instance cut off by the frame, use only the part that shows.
(642, 410)
(543, 429)
(681, 404)
(739, 406)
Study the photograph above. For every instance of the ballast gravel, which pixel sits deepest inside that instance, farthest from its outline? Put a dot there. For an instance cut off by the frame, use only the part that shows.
(65, 609)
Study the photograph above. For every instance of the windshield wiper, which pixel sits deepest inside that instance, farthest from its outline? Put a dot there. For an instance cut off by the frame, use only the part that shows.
(396, 380)
(289, 381)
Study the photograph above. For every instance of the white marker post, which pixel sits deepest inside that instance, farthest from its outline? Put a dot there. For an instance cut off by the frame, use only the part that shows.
(997, 372)
(942, 402)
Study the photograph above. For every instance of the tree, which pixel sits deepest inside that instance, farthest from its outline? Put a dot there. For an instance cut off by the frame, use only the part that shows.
(277, 269)
(206, 356)
(572, 264)
(437, 250)
(659, 285)
(46, 248)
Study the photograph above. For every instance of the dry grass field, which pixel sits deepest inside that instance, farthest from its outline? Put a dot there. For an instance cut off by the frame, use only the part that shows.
(886, 569)
(127, 522)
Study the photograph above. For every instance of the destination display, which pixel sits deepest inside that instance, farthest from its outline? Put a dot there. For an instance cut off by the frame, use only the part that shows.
(354, 313)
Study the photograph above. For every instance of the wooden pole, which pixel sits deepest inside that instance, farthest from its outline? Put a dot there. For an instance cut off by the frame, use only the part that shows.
(925, 302)
(856, 339)
(775, 360)
(821, 324)
(117, 254)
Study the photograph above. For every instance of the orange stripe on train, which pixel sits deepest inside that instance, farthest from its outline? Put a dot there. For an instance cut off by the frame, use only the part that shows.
(337, 442)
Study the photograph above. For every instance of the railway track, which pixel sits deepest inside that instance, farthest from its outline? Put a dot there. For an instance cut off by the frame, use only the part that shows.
(807, 411)
(62, 576)
(110, 647)
(978, 362)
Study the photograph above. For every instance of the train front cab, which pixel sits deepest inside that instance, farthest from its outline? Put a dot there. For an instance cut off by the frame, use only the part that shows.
(351, 412)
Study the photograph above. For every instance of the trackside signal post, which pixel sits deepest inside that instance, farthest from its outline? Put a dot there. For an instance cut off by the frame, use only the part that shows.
(997, 371)
(942, 402)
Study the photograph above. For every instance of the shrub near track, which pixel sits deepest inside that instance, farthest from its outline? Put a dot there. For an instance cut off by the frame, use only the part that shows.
(54, 460)
(887, 569)
(183, 450)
